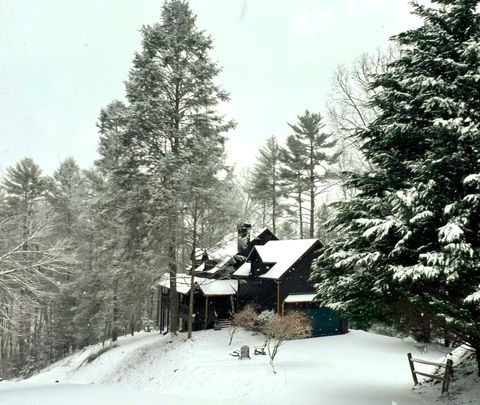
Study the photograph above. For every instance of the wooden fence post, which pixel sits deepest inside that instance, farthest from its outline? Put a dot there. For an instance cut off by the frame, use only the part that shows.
(446, 377)
(412, 368)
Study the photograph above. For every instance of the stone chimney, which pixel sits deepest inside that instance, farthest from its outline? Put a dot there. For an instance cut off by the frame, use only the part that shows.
(243, 236)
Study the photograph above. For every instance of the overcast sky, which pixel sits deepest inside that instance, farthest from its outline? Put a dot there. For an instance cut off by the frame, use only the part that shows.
(62, 61)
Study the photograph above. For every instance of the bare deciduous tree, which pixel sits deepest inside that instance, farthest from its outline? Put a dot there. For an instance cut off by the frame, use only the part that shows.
(30, 270)
(349, 107)
(246, 319)
(294, 325)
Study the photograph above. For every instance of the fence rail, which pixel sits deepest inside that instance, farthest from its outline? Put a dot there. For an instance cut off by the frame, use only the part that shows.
(445, 378)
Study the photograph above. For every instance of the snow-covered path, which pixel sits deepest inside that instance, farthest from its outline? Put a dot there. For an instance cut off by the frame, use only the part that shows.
(356, 368)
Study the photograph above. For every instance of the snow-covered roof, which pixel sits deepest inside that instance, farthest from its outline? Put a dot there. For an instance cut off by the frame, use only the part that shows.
(208, 286)
(200, 268)
(219, 266)
(227, 247)
(243, 270)
(183, 282)
(225, 251)
(299, 298)
(219, 287)
(283, 254)
(199, 254)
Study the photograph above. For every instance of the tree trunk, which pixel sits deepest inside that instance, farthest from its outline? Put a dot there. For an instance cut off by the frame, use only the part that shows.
(192, 275)
(312, 211)
(115, 312)
(300, 213)
(174, 314)
(264, 213)
(312, 190)
(172, 256)
(274, 200)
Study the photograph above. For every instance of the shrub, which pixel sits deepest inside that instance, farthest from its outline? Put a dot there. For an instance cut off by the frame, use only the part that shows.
(263, 319)
(294, 325)
(246, 319)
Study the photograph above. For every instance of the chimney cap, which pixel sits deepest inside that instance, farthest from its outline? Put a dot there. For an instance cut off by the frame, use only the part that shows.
(244, 226)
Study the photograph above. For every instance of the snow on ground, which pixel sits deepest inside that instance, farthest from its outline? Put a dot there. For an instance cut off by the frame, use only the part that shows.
(356, 368)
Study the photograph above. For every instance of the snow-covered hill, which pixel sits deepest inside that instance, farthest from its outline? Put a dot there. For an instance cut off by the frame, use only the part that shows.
(356, 368)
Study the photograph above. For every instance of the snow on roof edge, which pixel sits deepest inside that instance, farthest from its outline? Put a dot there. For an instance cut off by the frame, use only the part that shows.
(208, 286)
(297, 298)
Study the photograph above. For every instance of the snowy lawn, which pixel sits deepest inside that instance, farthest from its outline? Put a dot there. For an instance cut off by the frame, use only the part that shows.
(356, 368)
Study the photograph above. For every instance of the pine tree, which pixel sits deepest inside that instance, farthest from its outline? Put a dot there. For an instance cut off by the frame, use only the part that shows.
(169, 115)
(32, 265)
(409, 244)
(324, 215)
(265, 187)
(65, 193)
(293, 177)
(313, 149)
(24, 185)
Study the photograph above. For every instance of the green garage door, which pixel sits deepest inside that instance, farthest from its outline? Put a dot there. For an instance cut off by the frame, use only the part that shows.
(324, 321)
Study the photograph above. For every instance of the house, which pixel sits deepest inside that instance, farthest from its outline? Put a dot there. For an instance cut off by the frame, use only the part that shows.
(213, 299)
(265, 272)
(215, 291)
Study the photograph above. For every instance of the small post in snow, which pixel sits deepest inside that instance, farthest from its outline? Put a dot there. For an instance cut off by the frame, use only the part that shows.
(412, 368)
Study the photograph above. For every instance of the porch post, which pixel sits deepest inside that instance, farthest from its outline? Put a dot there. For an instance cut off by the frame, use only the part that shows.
(279, 309)
(159, 297)
(206, 312)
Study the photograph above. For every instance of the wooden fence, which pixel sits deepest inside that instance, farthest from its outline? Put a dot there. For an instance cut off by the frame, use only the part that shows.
(445, 379)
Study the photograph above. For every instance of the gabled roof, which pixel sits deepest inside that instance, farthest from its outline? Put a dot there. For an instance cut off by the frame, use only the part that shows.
(200, 268)
(283, 254)
(207, 286)
(227, 248)
(228, 251)
(243, 270)
(218, 266)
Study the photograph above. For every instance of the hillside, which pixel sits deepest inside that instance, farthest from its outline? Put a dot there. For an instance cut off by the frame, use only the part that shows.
(356, 368)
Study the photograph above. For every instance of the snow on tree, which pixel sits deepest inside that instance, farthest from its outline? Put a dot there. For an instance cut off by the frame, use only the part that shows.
(308, 160)
(409, 242)
(349, 108)
(292, 177)
(265, 187)
(33, 262)
(168, 120)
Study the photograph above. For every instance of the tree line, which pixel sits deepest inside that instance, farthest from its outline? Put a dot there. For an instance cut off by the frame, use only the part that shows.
(81, 250)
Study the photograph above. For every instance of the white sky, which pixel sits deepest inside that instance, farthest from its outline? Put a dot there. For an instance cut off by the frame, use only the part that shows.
(62, 61)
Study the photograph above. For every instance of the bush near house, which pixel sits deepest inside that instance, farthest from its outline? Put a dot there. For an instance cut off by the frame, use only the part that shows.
(294, 325)
(246, 318)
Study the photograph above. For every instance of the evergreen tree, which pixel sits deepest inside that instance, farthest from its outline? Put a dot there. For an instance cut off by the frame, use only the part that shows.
(324, 215)
(65, 192)
(24, 185)
(33, 263)
(293, 177)
(169, 115)
(409, 244)
(265, 186)
(310, 148)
